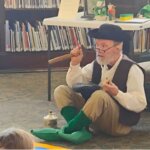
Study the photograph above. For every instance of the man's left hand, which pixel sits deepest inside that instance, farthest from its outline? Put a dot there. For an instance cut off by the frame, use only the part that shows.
(110, 88)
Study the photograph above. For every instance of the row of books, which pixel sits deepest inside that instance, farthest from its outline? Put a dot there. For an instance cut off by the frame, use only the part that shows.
(31, 3)
(66, 38)
(25, 37)
(141, 41)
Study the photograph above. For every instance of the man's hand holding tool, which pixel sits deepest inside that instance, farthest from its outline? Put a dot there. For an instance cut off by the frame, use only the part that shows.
(76, 56)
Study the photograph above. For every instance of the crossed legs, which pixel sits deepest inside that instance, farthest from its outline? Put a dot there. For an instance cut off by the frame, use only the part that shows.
(100, 108)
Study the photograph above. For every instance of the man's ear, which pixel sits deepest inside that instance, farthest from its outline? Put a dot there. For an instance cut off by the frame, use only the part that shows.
(119, 46)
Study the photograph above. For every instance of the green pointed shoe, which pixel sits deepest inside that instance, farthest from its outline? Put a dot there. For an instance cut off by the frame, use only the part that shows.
(76, 137)
(47, 134)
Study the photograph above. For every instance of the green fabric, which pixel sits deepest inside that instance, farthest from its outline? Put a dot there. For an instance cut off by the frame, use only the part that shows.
(77, 123)
(47, 134)
(68, 112)
(75, 127)
(51, 134)
(77, 137)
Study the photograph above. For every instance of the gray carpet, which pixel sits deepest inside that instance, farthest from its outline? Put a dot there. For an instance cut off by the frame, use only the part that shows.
(23, 104)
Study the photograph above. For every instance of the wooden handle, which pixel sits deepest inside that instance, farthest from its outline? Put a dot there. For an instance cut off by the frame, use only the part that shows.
(59, 58)
(62, 58)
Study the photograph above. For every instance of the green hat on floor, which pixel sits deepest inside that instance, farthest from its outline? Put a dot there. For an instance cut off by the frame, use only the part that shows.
(47, 134)
(51, 134)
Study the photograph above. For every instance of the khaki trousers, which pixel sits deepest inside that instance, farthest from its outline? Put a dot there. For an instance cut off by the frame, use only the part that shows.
(100, 108)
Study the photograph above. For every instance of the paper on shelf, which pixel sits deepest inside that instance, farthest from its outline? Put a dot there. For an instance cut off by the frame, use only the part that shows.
(68, 9)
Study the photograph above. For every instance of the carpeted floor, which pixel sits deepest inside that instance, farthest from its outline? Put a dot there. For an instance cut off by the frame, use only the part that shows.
(23, 104)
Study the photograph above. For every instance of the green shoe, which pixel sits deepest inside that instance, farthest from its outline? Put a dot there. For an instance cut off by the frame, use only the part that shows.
(68, 112)
(76, 137)
(47, 134)
(77, 123)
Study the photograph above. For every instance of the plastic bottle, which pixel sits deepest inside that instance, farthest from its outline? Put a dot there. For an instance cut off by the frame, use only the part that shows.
(50, 120)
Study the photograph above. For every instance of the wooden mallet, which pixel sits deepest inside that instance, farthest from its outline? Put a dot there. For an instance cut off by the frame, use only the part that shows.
(62, 58)
(59, 58)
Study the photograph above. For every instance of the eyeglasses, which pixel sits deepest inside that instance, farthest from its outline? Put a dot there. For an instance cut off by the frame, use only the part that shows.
(104, 50)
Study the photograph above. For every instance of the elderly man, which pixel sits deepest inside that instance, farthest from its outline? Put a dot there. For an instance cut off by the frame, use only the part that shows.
(116, 106)
(113, 101)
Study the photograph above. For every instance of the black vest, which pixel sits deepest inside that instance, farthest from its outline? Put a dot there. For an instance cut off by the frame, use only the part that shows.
(126, 117)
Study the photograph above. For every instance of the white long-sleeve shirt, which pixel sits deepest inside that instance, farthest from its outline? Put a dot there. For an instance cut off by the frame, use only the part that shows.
(133, 99)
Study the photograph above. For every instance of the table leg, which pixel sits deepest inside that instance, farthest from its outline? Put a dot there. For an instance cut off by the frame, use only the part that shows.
(49, 66)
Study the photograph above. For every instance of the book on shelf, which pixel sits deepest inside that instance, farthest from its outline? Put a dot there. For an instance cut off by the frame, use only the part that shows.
(70, 42)
(59, 39)
(12, 43)
(31, 36)
(22, 36)
(141, 41)
(148, 39)
(18, 39)
(25, 38)
(42, 36)
(7, 36)
(62, 38)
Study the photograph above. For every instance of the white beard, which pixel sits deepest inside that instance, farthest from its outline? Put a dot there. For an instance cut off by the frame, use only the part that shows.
(100, 62)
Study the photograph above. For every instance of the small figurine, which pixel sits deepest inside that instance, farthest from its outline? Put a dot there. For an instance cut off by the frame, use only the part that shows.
(111, 11)
(100, 11)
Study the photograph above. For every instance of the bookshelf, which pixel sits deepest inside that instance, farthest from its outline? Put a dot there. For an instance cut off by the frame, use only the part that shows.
(84, 23)
(22, 59)
(23, 12)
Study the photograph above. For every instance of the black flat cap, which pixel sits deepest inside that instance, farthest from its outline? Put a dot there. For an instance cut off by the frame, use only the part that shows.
(109, 32)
